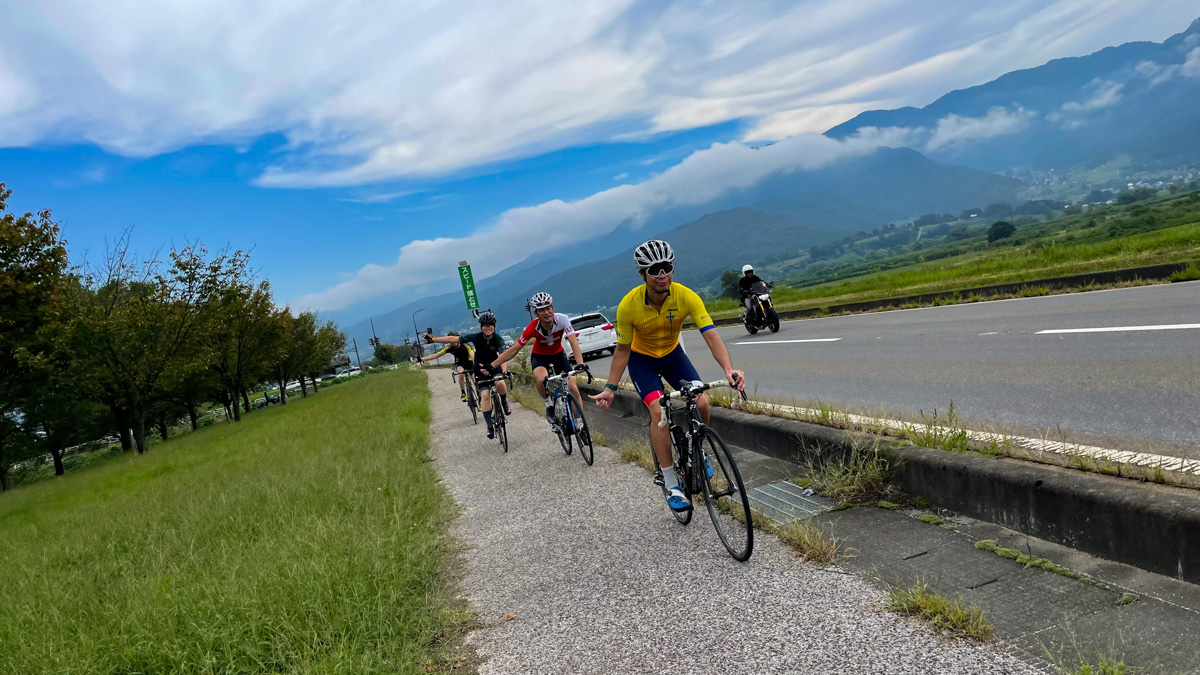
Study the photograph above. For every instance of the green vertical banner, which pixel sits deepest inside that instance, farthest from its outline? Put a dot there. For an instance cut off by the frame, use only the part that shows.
(468, 284)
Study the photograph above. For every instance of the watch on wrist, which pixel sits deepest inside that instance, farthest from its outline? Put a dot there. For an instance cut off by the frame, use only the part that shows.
(610, 385)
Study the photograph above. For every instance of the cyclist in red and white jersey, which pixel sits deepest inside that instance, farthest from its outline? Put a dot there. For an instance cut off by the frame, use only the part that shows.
(546, 332)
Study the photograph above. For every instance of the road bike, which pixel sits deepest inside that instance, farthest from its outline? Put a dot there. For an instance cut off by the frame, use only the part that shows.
(472, 393)
(705, 467)
(570, 420)
(499, 419)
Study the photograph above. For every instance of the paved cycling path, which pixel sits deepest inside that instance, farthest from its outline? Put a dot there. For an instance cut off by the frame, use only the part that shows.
(602, 580)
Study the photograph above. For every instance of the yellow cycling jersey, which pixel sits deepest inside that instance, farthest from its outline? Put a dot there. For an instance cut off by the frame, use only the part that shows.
(655, 332)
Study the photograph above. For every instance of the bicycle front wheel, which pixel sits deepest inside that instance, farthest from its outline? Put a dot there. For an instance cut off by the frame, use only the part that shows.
(725, 496)
(473, 404)
(501, 428)
(582, 433)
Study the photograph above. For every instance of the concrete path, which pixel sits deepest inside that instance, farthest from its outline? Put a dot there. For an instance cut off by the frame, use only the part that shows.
(601, 579)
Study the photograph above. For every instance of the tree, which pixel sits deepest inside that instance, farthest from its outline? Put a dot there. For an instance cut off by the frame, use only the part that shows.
(998, 210)
(33, 263)
(1097, 197)
(972, 212)
(1136, 195)
(244, 336)
(729, 282)
(387, 353)
(1001, 229)
(137, 321)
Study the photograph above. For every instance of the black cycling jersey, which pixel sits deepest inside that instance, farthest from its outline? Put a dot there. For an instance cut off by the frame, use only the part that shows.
(461, 353)
(487, 349)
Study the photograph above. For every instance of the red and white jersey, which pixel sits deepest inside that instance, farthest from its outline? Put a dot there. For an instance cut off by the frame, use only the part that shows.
(547, 342)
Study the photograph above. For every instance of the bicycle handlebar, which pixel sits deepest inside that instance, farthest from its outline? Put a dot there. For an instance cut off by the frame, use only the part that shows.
(572, 373)
(689, 391)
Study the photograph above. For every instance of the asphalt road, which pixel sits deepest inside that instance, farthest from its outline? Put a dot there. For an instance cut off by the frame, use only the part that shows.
(1122, 387)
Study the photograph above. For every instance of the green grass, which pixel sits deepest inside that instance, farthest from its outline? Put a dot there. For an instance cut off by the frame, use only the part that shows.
(811, 542)
(1126, 236)
(860, 476)
(307, 539)
(946, 616)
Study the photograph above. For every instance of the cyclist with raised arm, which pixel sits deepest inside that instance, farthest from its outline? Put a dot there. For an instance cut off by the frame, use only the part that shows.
(649, 320)
(463, 355)
(488, 346)
(547, 332)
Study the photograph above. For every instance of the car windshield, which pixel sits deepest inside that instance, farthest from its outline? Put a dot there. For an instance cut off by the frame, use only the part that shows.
(588, 321)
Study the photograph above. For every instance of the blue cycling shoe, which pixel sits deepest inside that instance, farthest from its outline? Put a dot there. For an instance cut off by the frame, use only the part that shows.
(677, 500)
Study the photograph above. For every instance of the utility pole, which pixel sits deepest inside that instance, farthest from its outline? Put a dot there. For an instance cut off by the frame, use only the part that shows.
(355, 343)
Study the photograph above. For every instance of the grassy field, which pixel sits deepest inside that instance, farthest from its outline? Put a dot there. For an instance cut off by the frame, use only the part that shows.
(307, 539)
(1105, 239)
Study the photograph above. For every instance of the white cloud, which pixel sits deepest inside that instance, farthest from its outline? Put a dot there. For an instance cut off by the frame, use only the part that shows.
(367, 92)
(1105, 94)
(1155, 73)
(702, 177)
(1191, 67)
(953, 130)
(621, 176)
(380, 198)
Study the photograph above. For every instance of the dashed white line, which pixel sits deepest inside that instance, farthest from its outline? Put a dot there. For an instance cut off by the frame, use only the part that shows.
(780, 342)
(991, 333)
(1118, 329)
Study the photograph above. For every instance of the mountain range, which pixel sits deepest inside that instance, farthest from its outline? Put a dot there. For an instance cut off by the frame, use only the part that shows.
(1141, 99)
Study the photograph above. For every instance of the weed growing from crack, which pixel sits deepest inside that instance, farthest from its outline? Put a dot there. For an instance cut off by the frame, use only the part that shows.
(946, 616)
(862, 475)
(811, 542)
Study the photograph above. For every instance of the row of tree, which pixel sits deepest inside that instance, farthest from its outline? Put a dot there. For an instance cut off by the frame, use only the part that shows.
(133, 344)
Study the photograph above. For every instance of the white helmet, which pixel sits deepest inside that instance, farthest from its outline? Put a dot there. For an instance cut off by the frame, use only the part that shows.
(746, 269)
(540, 300)
(653, 252)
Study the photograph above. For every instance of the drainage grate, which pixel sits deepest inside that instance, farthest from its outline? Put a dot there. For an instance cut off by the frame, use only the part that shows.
(784, 501)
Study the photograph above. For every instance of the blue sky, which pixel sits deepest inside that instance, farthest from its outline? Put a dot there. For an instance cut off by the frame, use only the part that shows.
(362, 148)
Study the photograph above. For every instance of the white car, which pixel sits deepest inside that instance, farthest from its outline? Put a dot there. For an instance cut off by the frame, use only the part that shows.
(595, 333)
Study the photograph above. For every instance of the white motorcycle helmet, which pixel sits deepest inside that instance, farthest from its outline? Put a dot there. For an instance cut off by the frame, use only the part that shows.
(747, 269)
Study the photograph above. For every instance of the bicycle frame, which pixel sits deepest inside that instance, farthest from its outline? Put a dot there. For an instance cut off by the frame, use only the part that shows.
(561, 390)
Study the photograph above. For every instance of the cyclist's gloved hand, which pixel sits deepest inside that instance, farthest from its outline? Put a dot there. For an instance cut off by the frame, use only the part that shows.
(428, 338)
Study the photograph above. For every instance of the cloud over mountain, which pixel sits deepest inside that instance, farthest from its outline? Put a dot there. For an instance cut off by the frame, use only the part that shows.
(365, 92)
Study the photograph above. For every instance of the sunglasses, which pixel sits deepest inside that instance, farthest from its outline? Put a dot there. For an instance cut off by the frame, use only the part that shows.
(660, 269)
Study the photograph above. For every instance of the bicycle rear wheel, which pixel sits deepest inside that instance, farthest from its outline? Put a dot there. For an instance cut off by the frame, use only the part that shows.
(684, 517)
(564, 439)
(725, 496)
(582, 433)
(501, 426)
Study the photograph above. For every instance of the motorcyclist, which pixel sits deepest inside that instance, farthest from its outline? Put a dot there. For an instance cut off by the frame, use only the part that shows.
(749, 278)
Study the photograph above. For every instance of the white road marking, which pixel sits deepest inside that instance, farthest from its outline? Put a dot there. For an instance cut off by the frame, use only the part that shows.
(991, 333)
(780, 342)
(1117, 329)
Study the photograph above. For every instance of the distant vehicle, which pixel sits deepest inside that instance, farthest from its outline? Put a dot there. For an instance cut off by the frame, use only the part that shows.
(350, 372)
(294, 384)
(595, 333)
(508, 341)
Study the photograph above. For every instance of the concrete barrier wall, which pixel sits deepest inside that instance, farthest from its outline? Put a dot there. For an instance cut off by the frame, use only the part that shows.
(1150, 526)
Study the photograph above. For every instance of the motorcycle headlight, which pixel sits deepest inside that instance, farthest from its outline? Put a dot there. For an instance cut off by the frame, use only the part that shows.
(765, 296)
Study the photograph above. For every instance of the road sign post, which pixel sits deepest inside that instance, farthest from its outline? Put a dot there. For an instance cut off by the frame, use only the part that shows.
(468, 285)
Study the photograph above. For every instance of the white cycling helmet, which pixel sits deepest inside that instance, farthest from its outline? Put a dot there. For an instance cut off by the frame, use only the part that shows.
(540, 300)
(651, 253)
(746, 269)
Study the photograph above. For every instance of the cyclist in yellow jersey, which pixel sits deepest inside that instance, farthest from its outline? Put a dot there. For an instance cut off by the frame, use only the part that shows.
(649, 320)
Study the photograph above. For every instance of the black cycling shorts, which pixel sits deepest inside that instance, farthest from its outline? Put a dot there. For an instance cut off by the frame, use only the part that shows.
(555, 364)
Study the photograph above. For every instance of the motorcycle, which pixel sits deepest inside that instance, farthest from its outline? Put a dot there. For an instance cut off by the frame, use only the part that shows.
(762, 313)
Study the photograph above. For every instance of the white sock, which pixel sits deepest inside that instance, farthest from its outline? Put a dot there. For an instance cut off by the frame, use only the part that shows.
(669, 479)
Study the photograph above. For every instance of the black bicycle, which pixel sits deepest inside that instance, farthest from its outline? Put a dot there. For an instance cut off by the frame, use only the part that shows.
(706, 468)
(472, 393)
(499, 419)
(570, 420)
